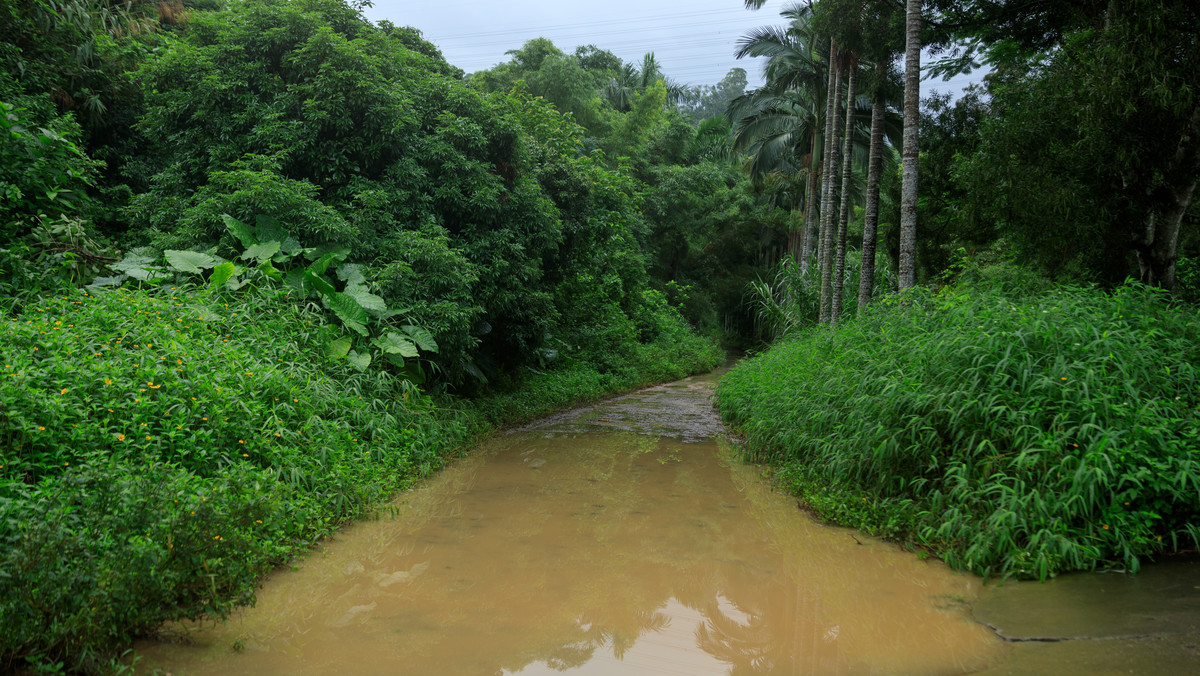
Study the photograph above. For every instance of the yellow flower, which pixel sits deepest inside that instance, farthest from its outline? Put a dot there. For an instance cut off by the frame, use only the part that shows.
(108, 381)
(41, 429)
(153, 386)
(64, 391)
(120, 437)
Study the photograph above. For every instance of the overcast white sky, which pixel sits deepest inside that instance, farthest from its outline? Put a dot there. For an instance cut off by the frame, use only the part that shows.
(694, 40)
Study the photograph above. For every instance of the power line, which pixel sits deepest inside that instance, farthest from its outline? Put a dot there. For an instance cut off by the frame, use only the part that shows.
(672, 19)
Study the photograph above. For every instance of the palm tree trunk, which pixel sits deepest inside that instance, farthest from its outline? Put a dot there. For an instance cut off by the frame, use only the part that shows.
(795, 237)
(810, 208)
(839, 278)
(830, 181)
(912, 109)
(866, 280)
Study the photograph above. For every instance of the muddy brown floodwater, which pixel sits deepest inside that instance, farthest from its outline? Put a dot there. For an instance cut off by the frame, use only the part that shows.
(618, 539)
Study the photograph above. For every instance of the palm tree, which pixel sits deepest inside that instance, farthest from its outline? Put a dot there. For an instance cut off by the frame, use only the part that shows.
(780, 124)
(912, 109)
(633, 80)
(827, 192)
(866, 279)
(850, 63)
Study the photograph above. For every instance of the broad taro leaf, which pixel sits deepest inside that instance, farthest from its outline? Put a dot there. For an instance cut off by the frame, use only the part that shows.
(318, 283)
(394, 343)
(194, 262)
(221, 275)
(270, 270)
(262, 252)
(267, 229)
(115, 280)
(351, 274)
(422, 337)
(326, 257)
(360, 361)
(140, 264)
(365, 298)
(340, 347)
(360, 329)
(349, 311)
(240, 230)
(295, 280)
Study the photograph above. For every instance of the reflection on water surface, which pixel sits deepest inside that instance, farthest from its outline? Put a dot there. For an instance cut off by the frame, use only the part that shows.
(618, 539)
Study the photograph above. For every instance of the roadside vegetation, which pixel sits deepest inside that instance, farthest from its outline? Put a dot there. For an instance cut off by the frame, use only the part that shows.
(1010, 426)
(1022, 407)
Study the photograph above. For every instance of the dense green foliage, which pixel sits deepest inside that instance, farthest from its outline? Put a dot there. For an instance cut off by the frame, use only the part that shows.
(303, 222)
(1014, 427)
(1085, 158)
(323, 259)
(162, 449)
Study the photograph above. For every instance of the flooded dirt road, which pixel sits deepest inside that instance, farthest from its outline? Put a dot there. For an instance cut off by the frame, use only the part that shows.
(618, 539)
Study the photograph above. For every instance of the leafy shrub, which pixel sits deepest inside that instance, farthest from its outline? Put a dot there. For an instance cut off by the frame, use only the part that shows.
(159, 450)
(42, 170)
(1018, 434)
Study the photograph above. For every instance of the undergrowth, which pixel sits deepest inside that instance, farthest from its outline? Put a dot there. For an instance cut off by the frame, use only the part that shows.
(1014, 429)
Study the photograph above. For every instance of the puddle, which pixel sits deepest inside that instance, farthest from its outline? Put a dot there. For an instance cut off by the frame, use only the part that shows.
(617, 539)
(1100, 623)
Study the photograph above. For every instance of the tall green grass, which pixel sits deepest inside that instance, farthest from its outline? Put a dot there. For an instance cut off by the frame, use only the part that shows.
(1015, 429)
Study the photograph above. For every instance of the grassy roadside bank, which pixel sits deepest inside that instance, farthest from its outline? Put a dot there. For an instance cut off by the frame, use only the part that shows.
(163, 450)
(1011, 428)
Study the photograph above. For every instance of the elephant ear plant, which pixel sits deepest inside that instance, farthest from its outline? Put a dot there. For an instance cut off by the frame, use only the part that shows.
(272, 258)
